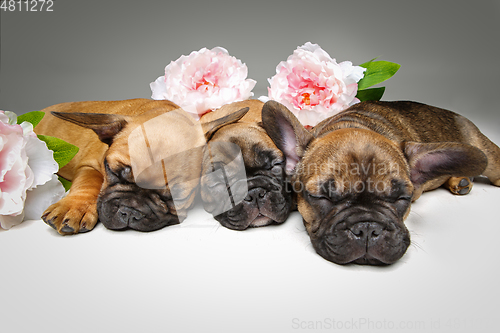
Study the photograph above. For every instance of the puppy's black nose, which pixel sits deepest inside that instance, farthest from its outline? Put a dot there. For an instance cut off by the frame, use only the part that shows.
(128, 215)
(367, 230)
(255, 194)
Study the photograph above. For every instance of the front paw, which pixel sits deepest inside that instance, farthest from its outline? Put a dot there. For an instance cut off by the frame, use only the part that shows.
(72, 215)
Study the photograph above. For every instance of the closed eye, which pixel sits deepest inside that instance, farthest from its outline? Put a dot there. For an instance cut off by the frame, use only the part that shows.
(399, 192)
(122, 174)
(277, 168)
(318, 197)
(393, 199)
(110, 172)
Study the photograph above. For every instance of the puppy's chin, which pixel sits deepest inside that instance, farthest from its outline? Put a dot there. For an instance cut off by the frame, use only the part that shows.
(361, 237)
(237, 223)
(128, 210)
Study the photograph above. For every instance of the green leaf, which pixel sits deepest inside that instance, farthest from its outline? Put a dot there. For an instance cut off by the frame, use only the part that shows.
(377, 72)
(33, 117)
(372, 94)
(63, 151)
(66, 183)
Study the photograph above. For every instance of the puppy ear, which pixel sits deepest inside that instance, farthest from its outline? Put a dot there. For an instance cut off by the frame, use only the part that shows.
(213, 126)
(431, 160)
(106, 126)
(287, 133)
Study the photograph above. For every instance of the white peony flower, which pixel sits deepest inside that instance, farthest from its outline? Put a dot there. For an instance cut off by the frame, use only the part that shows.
(28, 184)
(314, 86)
(204, 81)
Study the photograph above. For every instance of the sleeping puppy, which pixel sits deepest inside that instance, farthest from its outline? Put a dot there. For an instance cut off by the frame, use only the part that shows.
(244, 183)
(128, 149)
(356, 173)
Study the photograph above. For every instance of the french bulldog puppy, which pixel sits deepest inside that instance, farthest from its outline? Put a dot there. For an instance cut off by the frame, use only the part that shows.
(244, 184)
(356, 173)
(119, 176)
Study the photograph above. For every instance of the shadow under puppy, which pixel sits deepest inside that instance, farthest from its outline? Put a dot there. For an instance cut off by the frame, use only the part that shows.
(244, 183)
(120, 175)
(356, 173)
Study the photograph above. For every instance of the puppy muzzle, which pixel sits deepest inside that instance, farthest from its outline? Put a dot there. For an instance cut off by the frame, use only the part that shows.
(361, 236)
(266, 203)
(128, 210)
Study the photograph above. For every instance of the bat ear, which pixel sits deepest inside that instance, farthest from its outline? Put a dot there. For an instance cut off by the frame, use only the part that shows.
(431, 160)
(213, 126)
(287, 133)
(106, 126)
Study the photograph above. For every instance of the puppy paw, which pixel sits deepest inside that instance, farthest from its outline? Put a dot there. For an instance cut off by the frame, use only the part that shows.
(71, 215)
(459, 185)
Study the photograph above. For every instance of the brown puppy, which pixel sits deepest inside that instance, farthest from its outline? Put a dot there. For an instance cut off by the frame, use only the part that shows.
(258, 194)
(140, 135)
(356, 173)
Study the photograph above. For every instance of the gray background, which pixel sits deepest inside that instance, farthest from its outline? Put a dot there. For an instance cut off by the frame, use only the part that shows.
(200, 277)
(109, 50)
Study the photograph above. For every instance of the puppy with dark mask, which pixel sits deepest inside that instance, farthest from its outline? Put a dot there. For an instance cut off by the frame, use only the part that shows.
(140, 171)
(356, 173)
(244, 183)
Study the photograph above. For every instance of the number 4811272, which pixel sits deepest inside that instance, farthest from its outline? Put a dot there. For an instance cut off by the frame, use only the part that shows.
(27, 5)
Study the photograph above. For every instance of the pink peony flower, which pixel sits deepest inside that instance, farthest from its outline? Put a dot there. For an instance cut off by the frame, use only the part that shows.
(313, 86)
(204, 81)
(27, 173)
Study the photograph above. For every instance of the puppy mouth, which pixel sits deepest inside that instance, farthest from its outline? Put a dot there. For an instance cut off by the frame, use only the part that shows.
(266, 202)
(361, 236)
(131, 210)
(269, 208)
(260, 220)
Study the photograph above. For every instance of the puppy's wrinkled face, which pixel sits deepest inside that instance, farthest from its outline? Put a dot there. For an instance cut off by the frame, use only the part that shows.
(354, 186)
(354, 193)
(122, 204)
(151, 173)
(258, 195)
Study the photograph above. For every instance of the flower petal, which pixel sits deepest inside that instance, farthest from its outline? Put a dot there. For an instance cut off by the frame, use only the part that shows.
(158, 88)
(40, 198)
(352, 74)
(12, 145)
(8, 117)
(8, 221)
(40, 160)
(264, 99)
(28, 129)
(13, 187)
